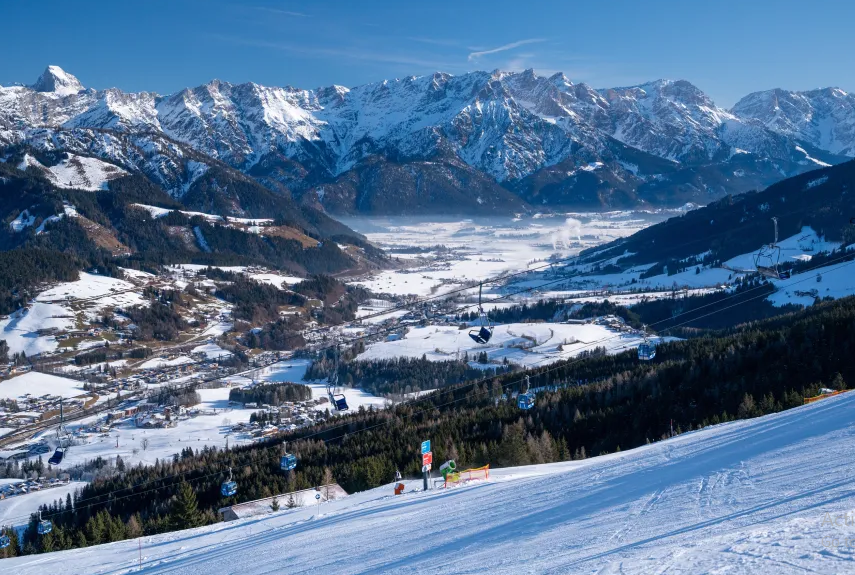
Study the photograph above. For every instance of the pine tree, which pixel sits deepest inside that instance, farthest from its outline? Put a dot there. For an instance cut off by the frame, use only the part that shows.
(47, 542)
(274, 505)
(184, 513)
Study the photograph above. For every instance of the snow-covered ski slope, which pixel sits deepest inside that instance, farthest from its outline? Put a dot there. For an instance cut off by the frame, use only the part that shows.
(768, 495)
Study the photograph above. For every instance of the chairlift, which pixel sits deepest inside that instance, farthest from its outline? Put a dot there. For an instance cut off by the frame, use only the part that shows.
(57, 456)
(525, 400)
(769, 257)
(647, 349)
(288, 461)
(337, 400)
(228, 488)
(61, 433)
(485, 331)
(45, 526)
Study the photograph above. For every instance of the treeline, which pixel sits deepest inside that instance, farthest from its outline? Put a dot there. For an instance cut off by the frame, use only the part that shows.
(106, 353)
(175, 395)
(340, 301)
(554, 310)
(156, 321)
(681, 316)
(703, 312)
(282, 335)
(401, 375)
(762, 368)
(258, 302)
(255, 302)
(271, 393)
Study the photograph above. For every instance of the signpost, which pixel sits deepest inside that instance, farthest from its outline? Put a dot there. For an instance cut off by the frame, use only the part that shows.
(318, 499)
(427, 459)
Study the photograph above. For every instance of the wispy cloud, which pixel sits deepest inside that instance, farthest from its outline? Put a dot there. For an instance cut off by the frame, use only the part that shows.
(437, 41)
(280, 11)
(511, 46)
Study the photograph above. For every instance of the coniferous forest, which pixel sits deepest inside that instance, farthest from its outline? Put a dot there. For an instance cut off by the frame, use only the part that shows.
(585, 407)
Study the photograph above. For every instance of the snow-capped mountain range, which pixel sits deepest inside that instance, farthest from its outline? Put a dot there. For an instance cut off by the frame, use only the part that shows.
(481, 140)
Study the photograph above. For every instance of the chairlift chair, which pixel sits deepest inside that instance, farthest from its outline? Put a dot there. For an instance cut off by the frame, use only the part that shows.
(337, 400)
(62, 436)
(769, 257)
(485, 331)
(57, 456)
(228, 488)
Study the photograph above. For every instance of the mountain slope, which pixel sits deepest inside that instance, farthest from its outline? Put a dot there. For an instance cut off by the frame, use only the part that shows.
(821, 199)
(523, 132)
(747, 496)
(99, 225)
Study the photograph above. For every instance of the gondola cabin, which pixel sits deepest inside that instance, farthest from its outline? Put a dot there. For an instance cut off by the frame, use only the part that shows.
(228, 488)
(646, 351)
(5, 541)
(45, 527)
(525, 401)
(288, 462)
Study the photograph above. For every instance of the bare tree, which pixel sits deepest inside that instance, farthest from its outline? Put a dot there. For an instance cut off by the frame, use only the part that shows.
(144, 443)
(328, 480)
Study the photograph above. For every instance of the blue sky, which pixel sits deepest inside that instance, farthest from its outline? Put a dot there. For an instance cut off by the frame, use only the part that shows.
(727, 48)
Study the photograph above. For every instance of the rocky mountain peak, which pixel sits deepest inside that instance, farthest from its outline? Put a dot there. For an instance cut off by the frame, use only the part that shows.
(55, 79)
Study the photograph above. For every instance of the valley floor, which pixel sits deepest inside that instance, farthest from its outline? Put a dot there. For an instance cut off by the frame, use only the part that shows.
(768, 495)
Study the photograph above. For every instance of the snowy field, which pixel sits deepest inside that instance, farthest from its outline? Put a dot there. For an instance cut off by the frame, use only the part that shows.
(54, 308)
(38, 384)
(767, 496)
(294, 371)
(15, 511)
(184, 272)
(161, 212)
(525, 344)
(78, 172)
(485, 248)
(20, 330)
(211, 428)
(799, 247)
(136, 445)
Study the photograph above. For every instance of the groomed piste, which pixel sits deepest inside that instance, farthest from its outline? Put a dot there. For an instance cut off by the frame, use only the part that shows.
(767, 495)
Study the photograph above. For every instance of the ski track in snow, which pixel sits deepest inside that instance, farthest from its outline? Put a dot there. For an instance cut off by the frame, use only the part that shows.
(750, 496)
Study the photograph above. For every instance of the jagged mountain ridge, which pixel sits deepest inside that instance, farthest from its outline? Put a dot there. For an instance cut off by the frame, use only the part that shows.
(544, 138)
(824, 117)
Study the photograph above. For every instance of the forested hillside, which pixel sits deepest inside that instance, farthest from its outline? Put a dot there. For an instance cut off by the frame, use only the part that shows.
(596, 405)
(48, 233)
(823, 199)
